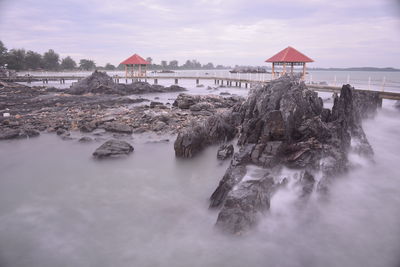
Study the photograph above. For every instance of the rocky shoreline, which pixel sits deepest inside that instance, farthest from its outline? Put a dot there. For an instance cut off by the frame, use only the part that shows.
(96, 104)
(280, 125)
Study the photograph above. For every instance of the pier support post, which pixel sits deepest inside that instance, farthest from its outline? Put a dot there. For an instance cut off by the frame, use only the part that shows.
(197, 81)
(222, 82)
(246, 85)
(240, 84)
(176, 81)
(155, 81)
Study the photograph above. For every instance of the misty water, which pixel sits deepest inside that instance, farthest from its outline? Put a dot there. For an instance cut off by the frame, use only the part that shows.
(60, 207)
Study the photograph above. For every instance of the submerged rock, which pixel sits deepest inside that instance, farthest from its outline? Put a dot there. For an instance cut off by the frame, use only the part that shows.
(113, 148)
(397, 104)
(18, 133)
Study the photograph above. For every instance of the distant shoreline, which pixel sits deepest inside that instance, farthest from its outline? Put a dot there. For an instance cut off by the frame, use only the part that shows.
(358, 69)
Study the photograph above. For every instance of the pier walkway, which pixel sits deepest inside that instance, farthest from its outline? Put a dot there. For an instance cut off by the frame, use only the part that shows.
(227, 81)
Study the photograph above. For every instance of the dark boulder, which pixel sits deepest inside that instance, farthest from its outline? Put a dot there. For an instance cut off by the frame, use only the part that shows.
(113, 148)
(97, 83)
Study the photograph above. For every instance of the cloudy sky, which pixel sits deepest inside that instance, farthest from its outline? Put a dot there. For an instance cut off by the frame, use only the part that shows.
(335, 33)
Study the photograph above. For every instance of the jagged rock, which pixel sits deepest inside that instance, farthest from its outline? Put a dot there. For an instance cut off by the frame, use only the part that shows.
(225, 151)
(367, 103)
(113, 148)
(100, 83)
(215, 129)
(118, 127)
(97, 83)
(233, 175)
(244, 204)
(185, 101)
(280, 125)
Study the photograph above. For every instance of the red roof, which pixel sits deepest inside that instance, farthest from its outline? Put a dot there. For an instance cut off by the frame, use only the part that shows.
(289, 54)
(135, 59)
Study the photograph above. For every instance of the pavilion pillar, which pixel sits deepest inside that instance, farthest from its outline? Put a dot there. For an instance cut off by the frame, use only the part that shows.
(284, 68)
(126, 71)
(304, 71)
(273, 70)
(291, 69)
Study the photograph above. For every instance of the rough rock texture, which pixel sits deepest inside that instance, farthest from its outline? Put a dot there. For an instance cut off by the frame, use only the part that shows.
(18, 133)
(207, 102)
(40, 109)
(280, 125)
(101, 83)
(118, 127)
(214, 130)
(225, 151)
(113, 148)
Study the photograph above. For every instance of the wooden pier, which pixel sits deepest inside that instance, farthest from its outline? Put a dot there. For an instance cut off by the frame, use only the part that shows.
(226, 81)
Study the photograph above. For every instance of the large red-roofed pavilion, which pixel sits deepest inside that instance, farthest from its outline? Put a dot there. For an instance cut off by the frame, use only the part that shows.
(289, 56)
(135, 66)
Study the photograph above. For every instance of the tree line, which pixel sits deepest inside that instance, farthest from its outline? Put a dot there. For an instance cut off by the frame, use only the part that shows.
(20, 60)
(188, 65)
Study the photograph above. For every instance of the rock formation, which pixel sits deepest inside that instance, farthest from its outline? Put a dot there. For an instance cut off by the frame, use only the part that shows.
(113, 148)
(281, 125)
(101, 83)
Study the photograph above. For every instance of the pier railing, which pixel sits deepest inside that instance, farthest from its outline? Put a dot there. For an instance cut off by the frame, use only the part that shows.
(389, 89)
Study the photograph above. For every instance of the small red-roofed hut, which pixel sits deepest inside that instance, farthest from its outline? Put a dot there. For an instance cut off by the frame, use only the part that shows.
(289, 56)
(135, 66)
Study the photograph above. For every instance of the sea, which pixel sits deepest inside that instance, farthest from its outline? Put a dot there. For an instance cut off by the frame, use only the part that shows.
(60, 207)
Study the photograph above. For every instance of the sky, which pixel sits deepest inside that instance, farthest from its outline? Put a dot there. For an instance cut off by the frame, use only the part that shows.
(335, 33)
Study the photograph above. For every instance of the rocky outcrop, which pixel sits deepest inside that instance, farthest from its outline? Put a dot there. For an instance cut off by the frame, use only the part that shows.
(280, 125)
(207, 102)
(225, 151)
(100, 83)
(215, 129)
(113, 148)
